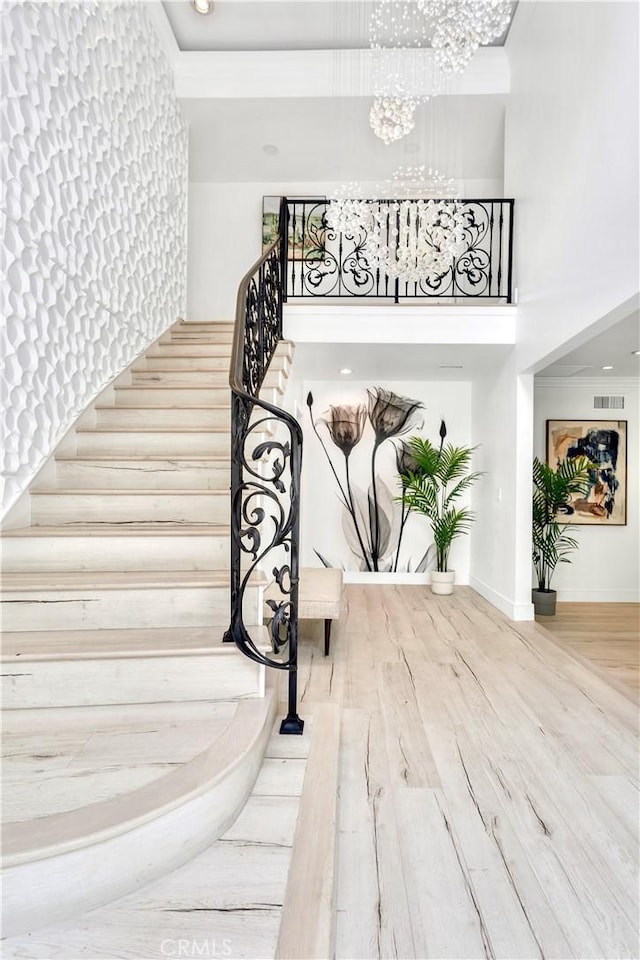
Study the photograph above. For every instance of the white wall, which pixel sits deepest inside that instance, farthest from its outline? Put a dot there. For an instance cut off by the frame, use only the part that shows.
(571, 163)
(321, 510)
(225, 236)
(606, 566)
(501, 545)
(94, 213)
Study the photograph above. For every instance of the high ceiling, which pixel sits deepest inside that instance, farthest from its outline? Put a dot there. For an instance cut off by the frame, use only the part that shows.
(280, 92)
(266, 25)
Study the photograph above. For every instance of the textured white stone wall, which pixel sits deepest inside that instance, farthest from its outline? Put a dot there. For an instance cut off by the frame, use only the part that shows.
(94, 179)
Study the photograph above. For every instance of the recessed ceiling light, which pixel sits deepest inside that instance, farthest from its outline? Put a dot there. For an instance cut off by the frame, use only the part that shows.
(608, 367)
(202, 6)
(270, 149)
(636, 353)
(345, 371)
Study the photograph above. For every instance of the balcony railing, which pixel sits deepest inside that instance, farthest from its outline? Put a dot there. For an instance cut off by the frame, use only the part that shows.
(322, 262)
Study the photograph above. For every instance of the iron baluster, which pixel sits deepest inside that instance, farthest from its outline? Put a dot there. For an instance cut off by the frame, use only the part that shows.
(491, 219)
(500, 225)
(266, 459)
(510, 255)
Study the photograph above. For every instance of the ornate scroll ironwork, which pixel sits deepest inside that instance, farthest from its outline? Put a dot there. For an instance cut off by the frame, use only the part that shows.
(322, 262)
(266, 458)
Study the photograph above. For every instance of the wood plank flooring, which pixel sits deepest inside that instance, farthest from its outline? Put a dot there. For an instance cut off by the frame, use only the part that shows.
(488, 798)
(608, 634)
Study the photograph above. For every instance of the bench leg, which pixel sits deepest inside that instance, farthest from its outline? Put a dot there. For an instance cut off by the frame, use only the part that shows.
(327, 637)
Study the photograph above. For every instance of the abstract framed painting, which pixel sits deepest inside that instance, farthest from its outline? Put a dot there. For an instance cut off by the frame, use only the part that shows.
(604, 442)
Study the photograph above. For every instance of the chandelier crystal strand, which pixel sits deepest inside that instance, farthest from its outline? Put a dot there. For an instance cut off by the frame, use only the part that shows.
(459, 27)
(417, 236)
(398, 38)
(347, 211)
(416, 240)
(421, 182)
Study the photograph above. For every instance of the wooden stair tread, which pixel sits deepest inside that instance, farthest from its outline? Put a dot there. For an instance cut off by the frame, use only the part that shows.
(98, 644)
(122, 492)
(116, 580)
(145, 458)
(169, 429)
(158, 406)
(188, 356)
(184, 324)
(150, 385)
(152, 528)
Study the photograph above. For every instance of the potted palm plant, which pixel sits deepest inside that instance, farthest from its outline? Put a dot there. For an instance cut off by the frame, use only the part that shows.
(553, 490)
(439, 478)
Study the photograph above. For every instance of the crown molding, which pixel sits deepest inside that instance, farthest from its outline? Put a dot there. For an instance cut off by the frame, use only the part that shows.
(249, 74)
(588, 383)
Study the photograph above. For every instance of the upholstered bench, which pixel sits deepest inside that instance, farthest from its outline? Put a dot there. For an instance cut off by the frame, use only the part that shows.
(319, 598)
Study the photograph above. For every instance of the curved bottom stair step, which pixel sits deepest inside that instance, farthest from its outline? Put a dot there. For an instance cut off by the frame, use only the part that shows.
(93, 667)
(59, 866)
(255, 892)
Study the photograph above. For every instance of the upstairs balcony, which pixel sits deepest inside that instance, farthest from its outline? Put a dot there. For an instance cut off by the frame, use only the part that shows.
(327, 265)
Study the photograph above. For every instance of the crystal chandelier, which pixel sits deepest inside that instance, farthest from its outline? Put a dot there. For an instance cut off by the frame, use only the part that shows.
(415, 235)
(459, 27)
(392, 118)
(398, 38)
(416, 240)
(399, 32)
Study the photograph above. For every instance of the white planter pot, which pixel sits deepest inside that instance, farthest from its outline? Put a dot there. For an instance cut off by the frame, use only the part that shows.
(442, 582)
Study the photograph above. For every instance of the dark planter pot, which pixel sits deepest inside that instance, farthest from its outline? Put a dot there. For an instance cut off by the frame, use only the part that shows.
(544, 602)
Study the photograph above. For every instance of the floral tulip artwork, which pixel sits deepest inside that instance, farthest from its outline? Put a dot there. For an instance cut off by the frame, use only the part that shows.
(373, 522)
(345, 426)
(390, 414)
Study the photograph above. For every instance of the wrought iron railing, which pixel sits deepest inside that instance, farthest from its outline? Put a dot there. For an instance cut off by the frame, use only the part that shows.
(322, 262)
(266, 458)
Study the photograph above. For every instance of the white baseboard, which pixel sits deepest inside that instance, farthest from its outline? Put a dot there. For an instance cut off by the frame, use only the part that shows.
(598, 596)
(515, 611)
(366, 576)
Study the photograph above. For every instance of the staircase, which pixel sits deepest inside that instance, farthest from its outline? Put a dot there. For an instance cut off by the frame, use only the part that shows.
(117, 593)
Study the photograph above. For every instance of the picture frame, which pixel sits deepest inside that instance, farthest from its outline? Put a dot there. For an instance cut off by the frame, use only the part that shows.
(270, 220)
(306, 233)
(604, 442)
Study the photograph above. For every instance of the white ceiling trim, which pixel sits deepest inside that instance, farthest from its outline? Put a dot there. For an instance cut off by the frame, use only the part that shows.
(606, 385)
(247, 74)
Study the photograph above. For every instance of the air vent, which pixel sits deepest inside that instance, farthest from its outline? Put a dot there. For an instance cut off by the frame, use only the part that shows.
(608, 403)
(451, 366)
